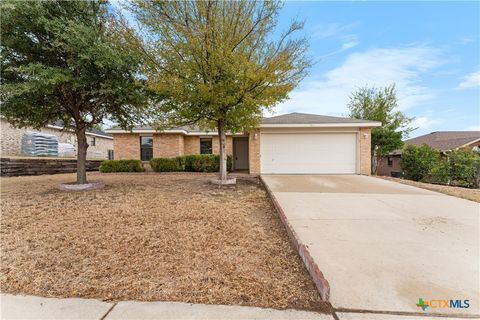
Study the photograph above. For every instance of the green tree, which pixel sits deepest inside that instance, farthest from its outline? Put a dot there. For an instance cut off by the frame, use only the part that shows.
(417, 162)
(216, 63)
(61, 60)
(464, 167)
(380, 104)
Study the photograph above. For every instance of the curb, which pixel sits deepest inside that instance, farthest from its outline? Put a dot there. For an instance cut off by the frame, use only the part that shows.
(321, 283)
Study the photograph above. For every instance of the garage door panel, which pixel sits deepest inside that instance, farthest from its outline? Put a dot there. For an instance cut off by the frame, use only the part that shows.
(308, 153)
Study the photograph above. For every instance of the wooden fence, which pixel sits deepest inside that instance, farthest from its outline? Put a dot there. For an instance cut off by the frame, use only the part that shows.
(10, 167)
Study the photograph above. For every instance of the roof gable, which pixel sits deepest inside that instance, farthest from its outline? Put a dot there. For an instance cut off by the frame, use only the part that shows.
(306, 118)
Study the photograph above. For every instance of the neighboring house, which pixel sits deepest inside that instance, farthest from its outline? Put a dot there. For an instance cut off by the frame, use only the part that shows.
(292, 143)
(443, 141)
(100, 143)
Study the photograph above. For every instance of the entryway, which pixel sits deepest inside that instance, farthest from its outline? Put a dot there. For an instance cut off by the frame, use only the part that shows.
(240, 153)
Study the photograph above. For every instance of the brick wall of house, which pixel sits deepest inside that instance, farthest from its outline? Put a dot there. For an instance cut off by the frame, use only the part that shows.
(126, 146)
(216, 145)
(191, 144)
(384, 169)
(365, 151)
(11, 141)
(254, 151)
(167, 145)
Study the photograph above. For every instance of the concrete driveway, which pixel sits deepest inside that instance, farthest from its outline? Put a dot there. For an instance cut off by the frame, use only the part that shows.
(382, 245)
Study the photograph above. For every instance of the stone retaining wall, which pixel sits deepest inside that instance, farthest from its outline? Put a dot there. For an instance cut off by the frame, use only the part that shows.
(10, 167)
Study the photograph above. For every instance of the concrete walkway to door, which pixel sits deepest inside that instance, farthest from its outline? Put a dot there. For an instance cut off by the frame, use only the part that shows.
(382, 245)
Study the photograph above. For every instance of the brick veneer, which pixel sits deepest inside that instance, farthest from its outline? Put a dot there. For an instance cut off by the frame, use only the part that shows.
(126, 146)
(365, 151)
(254, 151)
(167, 145)
(191, 144)
(216, 145)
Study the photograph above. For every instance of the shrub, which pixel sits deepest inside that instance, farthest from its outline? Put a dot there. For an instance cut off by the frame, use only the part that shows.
(190, 163)
(476, 171)
(417, 162)
(167, 164)
(440, 173)
(463, 167)
(205, 163)
(121, 166)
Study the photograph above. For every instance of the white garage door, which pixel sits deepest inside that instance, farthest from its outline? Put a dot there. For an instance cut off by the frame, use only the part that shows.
(308, 153)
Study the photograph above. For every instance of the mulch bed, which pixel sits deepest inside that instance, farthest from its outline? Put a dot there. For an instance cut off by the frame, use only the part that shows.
(150, 237)
(459, 192)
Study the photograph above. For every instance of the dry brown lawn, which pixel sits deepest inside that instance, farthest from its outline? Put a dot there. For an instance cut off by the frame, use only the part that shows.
(459, 192)
(149, 237)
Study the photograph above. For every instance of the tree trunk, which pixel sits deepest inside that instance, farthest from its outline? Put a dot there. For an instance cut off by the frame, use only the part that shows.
(378, 163)
(223, 150)
(374, 162)
(82, 146)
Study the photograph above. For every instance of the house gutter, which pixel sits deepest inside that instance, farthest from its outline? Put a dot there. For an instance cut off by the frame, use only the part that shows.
(323, 125)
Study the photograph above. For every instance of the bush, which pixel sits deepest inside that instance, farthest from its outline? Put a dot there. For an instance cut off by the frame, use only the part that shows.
(190, 163)
(121, 166)
(417, 162)
(440, 173)
(463, 168)
(167, 164)
(205, 163)
(476, 171)
(460, 168)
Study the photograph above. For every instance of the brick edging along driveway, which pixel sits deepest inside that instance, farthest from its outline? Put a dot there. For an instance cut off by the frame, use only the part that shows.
(321, 283)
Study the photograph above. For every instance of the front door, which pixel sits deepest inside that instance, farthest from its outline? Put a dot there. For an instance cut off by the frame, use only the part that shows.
(240, 153)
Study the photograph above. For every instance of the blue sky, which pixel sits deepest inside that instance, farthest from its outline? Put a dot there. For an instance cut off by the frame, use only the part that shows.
(430, 50)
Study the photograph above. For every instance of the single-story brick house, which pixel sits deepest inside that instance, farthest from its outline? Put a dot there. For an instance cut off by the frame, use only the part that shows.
(293, 143)
(444, 141)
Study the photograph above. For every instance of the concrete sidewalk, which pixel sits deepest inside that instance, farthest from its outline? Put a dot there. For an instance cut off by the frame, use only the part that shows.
(30, 307)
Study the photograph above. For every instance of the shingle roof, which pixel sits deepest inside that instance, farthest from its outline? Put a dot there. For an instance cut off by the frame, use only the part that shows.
(289, 118)
(306, 118)
(99, 132)
(445, 140)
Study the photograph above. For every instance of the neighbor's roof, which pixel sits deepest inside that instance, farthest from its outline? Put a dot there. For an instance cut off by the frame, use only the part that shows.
(95, 132)
(294, 119)
(446, 140)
